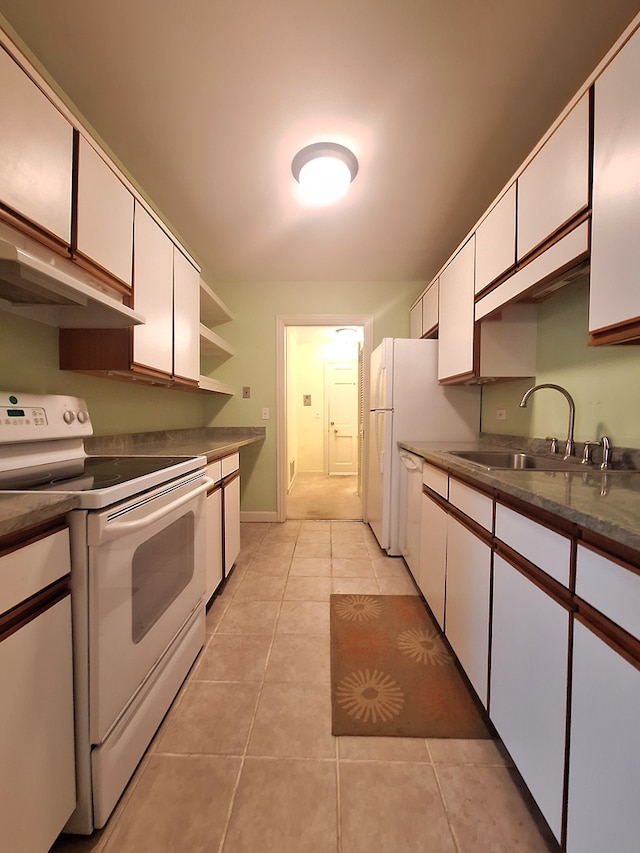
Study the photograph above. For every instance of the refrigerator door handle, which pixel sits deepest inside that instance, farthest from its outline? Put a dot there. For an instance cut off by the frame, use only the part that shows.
(378, 438)
(380, 401)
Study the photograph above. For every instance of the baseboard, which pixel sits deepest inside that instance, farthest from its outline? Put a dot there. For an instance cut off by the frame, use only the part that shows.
(259, 516)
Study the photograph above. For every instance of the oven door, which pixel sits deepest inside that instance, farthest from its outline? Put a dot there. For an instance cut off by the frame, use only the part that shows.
(146, 577)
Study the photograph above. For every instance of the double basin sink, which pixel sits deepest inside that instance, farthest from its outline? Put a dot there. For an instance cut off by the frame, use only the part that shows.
(513, 460)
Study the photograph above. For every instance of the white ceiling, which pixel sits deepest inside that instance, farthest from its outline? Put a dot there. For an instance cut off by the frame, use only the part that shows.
(207, 101)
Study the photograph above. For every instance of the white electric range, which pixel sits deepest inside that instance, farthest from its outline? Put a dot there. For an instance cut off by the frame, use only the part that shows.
(137, 582)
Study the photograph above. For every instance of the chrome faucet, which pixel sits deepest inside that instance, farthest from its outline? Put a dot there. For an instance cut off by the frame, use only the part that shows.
(569, 448)
(605, 441)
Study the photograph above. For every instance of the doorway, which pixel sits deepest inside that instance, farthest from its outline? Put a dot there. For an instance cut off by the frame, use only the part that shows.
(321, 438)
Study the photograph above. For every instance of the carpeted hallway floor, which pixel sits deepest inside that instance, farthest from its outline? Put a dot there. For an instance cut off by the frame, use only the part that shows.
(320, 496)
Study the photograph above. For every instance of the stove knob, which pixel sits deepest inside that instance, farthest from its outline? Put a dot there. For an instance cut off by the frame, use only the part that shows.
(83, 416)
(69, 417)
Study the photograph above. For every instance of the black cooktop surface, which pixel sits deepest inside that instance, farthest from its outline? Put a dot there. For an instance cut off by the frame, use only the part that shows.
(87, 473)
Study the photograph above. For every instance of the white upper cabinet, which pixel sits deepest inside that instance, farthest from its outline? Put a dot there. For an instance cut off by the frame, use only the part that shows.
(36, 154)
(554, 186)
(153, 293)
(105, 215)
(423, 317)
(415, 320)
(456, 314)
(430, 308)
(186, 318)
(496, 240)
(615, 226)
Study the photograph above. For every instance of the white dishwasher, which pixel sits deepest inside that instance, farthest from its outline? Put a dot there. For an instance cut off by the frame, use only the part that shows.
(410, 509)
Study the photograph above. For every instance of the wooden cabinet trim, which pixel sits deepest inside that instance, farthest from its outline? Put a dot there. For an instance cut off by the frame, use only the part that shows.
(14, 541)
(553, 588)
(619, 640)
(20, 615)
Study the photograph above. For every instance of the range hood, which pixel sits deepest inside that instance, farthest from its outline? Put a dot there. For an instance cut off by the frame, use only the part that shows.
(44, 287)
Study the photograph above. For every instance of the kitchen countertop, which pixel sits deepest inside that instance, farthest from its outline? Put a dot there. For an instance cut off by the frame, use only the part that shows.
(21, 510)
(607, 504)
(212, 442)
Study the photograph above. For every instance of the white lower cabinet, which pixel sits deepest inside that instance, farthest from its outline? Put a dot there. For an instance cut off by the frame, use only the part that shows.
(213, 526)
(529, 671)
(468, 602)
(231, 523)
(37, 755)
(433, 556)
(604, 757)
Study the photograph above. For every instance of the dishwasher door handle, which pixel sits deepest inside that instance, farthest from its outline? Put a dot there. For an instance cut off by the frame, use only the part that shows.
(408, 462)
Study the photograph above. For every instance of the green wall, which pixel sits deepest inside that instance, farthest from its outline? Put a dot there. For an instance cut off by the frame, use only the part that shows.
(29, 362)
(603, 381)
(253, 335)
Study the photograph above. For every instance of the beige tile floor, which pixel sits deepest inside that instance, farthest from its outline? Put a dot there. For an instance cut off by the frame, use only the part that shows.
(245, 761)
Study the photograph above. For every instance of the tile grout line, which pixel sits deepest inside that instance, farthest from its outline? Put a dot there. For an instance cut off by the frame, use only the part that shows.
(443, 800)
(234, 793)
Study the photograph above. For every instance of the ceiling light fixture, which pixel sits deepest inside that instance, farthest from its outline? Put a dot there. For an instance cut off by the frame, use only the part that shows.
(324, 171)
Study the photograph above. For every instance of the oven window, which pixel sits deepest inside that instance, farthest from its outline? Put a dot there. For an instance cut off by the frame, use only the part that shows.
(162, 567)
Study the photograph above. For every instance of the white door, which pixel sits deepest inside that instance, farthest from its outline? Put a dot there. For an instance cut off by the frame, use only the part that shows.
(342, 397)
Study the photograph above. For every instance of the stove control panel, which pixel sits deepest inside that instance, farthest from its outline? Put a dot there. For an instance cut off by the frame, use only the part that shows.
(42, 417)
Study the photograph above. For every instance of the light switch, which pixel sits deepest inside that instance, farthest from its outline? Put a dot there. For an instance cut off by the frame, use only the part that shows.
(265, 414)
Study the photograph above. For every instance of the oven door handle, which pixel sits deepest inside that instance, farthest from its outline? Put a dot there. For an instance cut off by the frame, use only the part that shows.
(121, 528)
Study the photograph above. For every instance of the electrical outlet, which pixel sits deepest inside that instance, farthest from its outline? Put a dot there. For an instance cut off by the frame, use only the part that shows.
(265, 414)
(246, 392)
(501, 414)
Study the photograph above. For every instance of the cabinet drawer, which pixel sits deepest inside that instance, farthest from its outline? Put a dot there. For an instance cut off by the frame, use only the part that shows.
(546, 549)
(214, 471)
(435, 479)
(32, 567)
(230, 464)
(477, 506)
(610, 588)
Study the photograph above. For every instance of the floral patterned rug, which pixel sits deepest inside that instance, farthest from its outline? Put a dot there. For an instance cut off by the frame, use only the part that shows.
(393, 675)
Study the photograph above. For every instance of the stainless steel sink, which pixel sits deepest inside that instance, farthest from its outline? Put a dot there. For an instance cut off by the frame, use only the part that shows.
(516, 461)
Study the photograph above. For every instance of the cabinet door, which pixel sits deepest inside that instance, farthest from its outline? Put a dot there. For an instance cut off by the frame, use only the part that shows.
(153, 294)
(213, 515)
(496, 240)
(614, 295)
(36, 153)
(554, 187)
(231, 523)
(433, 556)
(467, 608)
(38, 782)
(430, 309)
(186, 317)
(105, 215)
(456, 314)
(604, 762)
(415, 320)
(528, 702)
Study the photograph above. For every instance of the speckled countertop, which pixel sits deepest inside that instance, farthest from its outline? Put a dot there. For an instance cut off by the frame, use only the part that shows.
(21, 510)
(212, 442)
(607, 504)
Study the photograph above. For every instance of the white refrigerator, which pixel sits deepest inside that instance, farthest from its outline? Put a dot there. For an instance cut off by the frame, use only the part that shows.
(407, 404)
